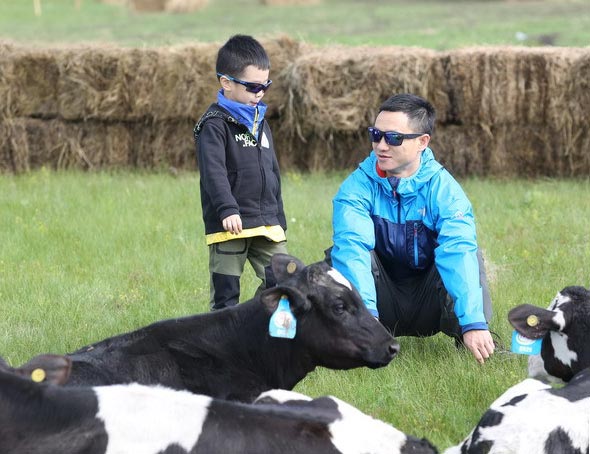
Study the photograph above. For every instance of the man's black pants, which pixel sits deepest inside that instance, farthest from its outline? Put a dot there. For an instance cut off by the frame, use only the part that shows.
(420, 305)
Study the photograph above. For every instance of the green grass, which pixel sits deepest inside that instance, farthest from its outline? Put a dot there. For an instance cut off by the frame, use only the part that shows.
(89, 255)
(433, 24)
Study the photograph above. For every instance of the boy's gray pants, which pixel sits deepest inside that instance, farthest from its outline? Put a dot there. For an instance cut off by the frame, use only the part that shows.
(226, 265)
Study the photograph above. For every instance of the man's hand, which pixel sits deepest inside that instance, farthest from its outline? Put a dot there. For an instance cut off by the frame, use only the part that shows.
(480, 343)
(233, 224)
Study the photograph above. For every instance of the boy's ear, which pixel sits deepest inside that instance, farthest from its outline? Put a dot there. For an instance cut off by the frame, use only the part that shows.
(225, 83)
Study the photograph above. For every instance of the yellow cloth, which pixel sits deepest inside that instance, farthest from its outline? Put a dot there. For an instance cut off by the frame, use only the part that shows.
(272, 232)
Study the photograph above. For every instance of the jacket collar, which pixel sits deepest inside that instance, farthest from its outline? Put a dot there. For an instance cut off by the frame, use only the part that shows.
(245, 114)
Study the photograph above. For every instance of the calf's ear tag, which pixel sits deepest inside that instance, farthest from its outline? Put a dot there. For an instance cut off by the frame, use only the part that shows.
(282, 321)
(291, 268)
(38, 375)
(532, 321)
(525, 346)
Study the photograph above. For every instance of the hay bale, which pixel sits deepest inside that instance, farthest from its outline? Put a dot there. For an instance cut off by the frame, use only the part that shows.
(185, 6)
(58, 144)
(29, 143)
(164, 144)
(576, 100)
(501, 85)
(128, 84)
(290, 2)
(282, 52)
(146, 6)
(338, 89)
(119, 84)
(92, 84)
(28, 80)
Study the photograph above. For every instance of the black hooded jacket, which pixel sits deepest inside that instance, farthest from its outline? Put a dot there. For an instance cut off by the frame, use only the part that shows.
(239, 173)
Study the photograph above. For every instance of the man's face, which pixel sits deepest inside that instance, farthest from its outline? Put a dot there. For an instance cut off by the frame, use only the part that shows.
(237, 92)
(400, 161)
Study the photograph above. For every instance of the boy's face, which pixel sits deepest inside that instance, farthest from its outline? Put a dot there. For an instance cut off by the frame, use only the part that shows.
(237, 92)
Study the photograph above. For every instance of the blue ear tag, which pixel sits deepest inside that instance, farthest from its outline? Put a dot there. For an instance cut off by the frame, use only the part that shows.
(282, 321)
(524, 345)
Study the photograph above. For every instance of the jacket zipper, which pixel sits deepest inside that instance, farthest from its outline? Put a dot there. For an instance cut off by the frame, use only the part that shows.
(416, 244)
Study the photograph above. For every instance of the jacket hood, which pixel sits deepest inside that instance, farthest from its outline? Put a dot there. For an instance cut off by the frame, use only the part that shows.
(428, 167)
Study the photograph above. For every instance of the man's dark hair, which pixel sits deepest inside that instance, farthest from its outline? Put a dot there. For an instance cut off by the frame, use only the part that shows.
(421, 113)
(239, 52)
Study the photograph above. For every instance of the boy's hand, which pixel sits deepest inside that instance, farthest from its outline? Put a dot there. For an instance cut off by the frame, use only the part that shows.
(233, 224)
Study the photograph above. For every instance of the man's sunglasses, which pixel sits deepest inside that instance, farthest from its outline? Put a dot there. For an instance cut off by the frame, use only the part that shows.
(251, 87)
(392, 138)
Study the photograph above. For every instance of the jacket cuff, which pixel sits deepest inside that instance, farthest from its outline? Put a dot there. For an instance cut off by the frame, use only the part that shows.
(474, 326)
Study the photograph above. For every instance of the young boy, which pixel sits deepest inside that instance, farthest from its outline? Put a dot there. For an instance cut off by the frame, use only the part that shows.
(240, 181)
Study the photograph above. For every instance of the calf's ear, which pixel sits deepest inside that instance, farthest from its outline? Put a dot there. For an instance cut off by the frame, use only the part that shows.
(532, 321)
(284, 266)
(53, 369)
(297, 300)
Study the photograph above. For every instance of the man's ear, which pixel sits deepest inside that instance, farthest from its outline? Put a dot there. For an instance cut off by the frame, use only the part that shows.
(297, 300)
(424, 140)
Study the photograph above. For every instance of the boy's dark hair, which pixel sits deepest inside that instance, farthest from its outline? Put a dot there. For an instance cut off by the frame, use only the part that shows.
(239, 52)
(421, 113)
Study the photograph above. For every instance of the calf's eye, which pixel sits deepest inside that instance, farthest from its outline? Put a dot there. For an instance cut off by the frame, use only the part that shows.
(338, 309)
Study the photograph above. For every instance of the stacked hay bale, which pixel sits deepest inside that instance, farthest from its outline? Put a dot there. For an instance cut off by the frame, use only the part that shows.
(290, 2)
(334, 93)
(174, 6)
(501, 111)
(511, 111)
(100, 106)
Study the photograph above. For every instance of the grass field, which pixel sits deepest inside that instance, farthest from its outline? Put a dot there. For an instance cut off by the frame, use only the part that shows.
(88, 255)
(425, 23)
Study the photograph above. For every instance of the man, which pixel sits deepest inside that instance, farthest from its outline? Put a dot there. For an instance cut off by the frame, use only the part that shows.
(405, 236)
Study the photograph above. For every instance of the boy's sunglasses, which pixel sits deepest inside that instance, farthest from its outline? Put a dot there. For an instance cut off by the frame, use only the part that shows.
(392, 138)
(251, 87)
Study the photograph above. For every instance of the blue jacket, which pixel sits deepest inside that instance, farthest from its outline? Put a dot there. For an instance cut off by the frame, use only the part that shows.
(428, 218)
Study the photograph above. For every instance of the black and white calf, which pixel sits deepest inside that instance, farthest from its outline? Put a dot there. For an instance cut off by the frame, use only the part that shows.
(534, 418)
(229, 353)
(349, 429)
(131, 418)
(565, 329)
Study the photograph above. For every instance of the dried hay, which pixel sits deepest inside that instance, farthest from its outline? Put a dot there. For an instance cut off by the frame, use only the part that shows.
(576, 100)
(290, 2)
(119, 84)
(338, 89)
(172, 6)
(502, 85)
(146, 6)
(28, 83)
(466, 150)
(185, 6)
(29, 143)
(508, 151)
(164, 144)
(502, 112)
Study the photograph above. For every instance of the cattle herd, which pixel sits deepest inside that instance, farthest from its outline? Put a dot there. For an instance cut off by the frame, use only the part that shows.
(218, 383)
